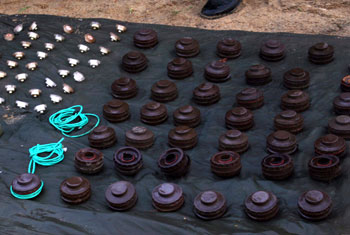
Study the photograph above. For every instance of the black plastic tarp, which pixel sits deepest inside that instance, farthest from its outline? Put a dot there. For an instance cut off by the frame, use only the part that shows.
(48, 214)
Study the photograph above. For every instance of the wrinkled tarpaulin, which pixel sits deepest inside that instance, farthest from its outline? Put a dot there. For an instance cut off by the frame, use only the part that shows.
(48, 214)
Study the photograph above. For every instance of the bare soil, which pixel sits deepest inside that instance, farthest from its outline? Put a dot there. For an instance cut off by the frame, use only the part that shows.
(298, 16)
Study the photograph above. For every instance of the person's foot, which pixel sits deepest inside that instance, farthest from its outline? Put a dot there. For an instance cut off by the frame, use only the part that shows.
(218, 8)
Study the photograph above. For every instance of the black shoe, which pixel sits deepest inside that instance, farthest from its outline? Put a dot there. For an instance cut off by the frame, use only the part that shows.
(218, 8)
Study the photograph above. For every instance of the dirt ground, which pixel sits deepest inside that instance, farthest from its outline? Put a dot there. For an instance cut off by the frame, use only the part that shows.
(298, 16)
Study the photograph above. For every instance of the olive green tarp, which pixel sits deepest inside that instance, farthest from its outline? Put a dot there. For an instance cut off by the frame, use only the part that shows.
(48, 214)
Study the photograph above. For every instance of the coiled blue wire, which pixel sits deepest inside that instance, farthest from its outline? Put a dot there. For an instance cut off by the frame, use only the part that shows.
(28, 196)
(54, 148)
(67, 120)
(56, 155)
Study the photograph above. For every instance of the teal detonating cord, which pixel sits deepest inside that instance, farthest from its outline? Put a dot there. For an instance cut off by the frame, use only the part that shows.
(67, 120)
(55, 154)
(28, 196)
(49, 160)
